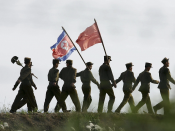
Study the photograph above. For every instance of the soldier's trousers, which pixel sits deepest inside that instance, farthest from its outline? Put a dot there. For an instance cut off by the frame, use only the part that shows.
(69, 90)
(25, 92)
(145, 99)
(87, 97)
(50, 93)
(23, 102)
(127, 98)
(165, 103)
(105, 88)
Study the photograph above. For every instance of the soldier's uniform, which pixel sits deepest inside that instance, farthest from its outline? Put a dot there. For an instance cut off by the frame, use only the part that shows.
(106, 76)
(53, 90)
(164, 86)
(145, 78)
(128, 78)
(25, 100)
(68, 75)
(25, 90)
(86, 78)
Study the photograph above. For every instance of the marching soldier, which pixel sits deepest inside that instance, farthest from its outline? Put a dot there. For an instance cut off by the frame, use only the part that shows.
(145, 78)
(25, 90)
(106, 76)
(86, 78)
(53, 88)
(68, 75)
(165, 77)
(24, 100)
(128, 78)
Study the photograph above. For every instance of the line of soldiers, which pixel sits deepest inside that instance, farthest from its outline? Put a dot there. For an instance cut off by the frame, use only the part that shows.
(68, 75)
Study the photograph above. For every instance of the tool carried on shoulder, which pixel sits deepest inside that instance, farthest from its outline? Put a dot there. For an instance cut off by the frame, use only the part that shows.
(15, 60)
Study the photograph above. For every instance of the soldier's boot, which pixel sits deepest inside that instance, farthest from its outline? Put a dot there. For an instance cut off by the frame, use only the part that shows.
(65, 111)
(109, 112)
(117, 111)
(155, 109)
(140, 104)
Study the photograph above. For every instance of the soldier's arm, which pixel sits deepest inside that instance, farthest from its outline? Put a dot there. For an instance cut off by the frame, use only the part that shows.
(61, 74)
(110, 75)
(74, 76)
(169, 76)
(119, 79)
(32, 83)
(136, 83)
(93, 79)
(133, 78)
(152, 80)
(78, 74)
(24, 74)
(54, 75)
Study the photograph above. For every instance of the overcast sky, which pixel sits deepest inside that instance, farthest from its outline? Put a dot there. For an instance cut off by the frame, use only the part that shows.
(133, 31)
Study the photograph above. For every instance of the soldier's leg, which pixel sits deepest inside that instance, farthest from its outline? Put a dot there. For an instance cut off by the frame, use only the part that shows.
(131, 102)
(49, 96)
(159, 105)
(125, 100)
(101, 100)
(142, 102)
(57, 93)
(22, 103)
(62, 99)
(31, 97)
(18, 98)
(110, 92)
(87, 98)
(166, 101)
(74, 96)
(149, 106)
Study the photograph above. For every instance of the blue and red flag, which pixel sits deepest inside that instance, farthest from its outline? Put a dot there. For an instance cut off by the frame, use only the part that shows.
(63, 48)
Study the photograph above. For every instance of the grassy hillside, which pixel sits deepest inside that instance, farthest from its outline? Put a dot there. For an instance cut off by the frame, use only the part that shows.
(78, 121)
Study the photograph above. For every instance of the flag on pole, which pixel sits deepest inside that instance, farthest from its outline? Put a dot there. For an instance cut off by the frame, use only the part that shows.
(63, 48)
(89, 37)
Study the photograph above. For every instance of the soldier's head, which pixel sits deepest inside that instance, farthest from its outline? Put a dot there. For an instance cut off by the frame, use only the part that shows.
(31, 65)
(56, 62)
(27, 61)
(129, 66)
(69, 62)
(89, 65)
(148, 66)
(165, 61)
(107, 59)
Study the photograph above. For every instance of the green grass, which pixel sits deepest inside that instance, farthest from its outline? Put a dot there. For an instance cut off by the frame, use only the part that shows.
(65, 121)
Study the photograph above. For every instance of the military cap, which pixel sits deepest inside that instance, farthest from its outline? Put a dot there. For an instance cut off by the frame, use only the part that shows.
(89, 63)
(129, 64)
(69, 62)
(148, 64)
(107, 58)
(56, 61)
(14, 59)
(27, 60)
(165, 60)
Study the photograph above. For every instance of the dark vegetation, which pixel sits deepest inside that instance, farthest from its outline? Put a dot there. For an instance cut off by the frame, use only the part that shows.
(79, 121)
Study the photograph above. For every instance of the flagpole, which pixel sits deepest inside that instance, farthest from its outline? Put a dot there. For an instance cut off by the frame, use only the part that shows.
(101, 38)
(74, 45)
(103, 45)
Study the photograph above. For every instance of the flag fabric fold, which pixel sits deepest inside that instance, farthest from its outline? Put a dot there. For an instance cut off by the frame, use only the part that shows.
(63, 48)
(89, 37)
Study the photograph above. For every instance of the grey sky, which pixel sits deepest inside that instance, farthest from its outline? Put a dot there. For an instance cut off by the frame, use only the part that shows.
(133, 31)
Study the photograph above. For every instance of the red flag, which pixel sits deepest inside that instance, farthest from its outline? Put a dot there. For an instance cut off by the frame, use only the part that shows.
(89, 37)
